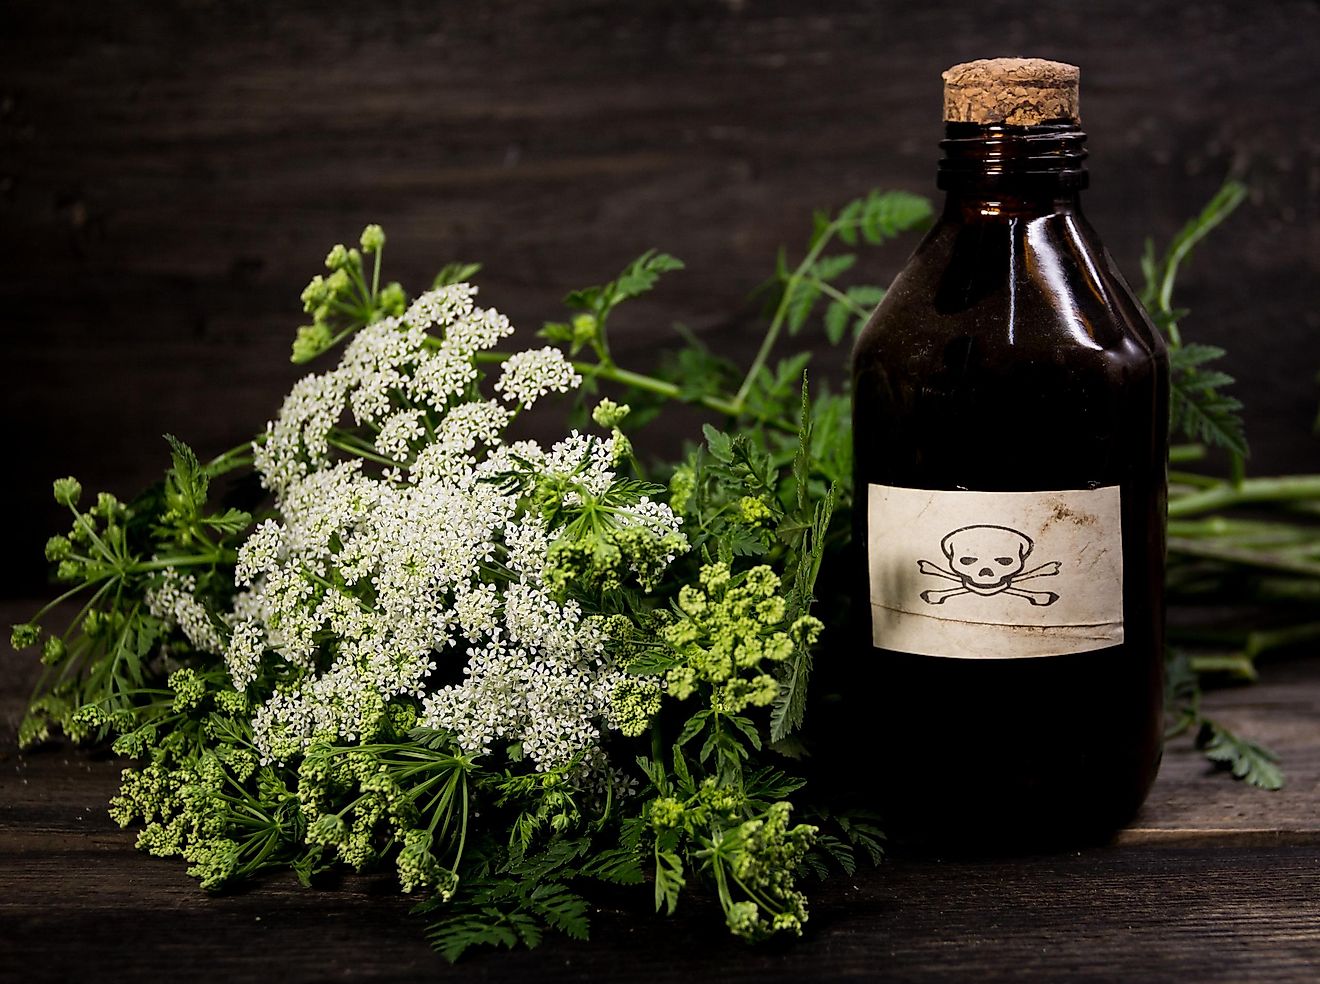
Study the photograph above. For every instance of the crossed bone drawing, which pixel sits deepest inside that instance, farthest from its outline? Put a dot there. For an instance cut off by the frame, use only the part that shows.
(987, 560)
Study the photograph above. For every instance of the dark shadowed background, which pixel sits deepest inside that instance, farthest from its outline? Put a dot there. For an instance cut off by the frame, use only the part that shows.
(171, 174)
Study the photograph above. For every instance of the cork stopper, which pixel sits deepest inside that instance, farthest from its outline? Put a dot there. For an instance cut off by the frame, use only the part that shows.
(1016, 91)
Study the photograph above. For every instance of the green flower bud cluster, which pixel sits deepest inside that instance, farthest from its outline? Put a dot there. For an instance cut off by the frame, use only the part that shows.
(635, 701)
(58, 548)
(666, 813)
(135, 743)
(354, 804)
(189, 690)
(67, 491)
(96, 542)
(730, 634)
(373, 239)
(214, 861)
(763, 855)
(23, 636)
(88, 721)
(607, 559)
(585, 327)
(710, 805)
(346, 298)
(607, 413)
(755, 511)
(681, 486)
(419, 868)
(53, 650)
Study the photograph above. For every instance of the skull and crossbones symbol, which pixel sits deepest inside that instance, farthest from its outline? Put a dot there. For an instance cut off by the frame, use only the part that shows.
(987, 560)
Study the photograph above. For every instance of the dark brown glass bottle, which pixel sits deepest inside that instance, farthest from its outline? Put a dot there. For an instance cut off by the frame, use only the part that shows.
(1010, 436)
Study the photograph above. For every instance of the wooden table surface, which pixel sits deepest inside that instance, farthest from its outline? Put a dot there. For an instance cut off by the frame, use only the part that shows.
(1215, 882)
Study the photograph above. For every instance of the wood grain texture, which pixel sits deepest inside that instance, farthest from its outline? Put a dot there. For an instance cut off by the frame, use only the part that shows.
(1214, 882)
(172, 173)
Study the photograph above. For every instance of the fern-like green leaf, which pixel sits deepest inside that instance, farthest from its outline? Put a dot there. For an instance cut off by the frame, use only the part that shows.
(562, 909)
(1253, 763)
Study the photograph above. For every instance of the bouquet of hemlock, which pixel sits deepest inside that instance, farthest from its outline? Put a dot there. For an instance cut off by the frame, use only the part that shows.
(506, 668)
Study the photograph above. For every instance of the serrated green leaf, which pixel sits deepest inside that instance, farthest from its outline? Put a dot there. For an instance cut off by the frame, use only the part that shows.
(829, 267)
(669, 881)
(866, 295)
(230, 521)
(802, 297)
(837, 316)
(562, 909)
(1253, 763)
(719, 443)
(747, 729)
(455, 273)
(618, 866)
(692, 728)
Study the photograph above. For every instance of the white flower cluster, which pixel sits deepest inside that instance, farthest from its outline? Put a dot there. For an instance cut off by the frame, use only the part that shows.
(424, 581)
(393, 359)
(530, 375)
(174, 602)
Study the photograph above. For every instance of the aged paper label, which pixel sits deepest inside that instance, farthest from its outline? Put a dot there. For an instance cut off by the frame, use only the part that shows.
(995, 575)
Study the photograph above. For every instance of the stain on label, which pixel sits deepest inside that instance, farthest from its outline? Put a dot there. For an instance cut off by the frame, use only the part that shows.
(995, 575)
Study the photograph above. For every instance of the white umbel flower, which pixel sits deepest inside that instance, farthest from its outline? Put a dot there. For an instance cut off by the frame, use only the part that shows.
(174, 602)
(425, 582)
(530, 375)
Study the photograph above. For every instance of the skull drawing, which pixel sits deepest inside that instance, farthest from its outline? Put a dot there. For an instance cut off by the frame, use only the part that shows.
(987, 560)
(986, 557)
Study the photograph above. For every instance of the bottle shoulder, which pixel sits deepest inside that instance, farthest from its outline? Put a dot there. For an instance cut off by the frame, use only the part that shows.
(1041, 287)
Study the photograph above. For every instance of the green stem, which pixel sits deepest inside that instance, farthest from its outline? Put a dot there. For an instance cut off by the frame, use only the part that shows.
(361, 450)
(1221, 206)
(670, 391)
(46, 609)
(781, 312)
(196, 560)
(1242, 557)
(1193, 479)
(235, 457)
(829, 290)
(1282, 489)
(1183, 453)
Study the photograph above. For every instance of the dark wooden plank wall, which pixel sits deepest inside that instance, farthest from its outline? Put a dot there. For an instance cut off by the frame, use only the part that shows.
(171, 174)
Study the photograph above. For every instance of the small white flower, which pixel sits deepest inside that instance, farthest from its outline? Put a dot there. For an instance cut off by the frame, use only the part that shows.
(259, 554)
(175, 603)
(442, 376)
(243, 652)
(530, 375)
(399, 432)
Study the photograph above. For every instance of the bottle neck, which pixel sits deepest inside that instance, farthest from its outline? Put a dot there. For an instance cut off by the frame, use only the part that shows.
(994, 171)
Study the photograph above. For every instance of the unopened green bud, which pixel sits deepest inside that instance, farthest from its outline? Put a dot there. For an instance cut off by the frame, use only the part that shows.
(22, 636)
(312, 340)
(70, 570)
(315, 293)
(107, 505)
(610, 414)
(58, 548)
(392, 299)
(338, 283)
(67, 491)
(373, 238)
(584, 327)
(337, 257)
(53, 651)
